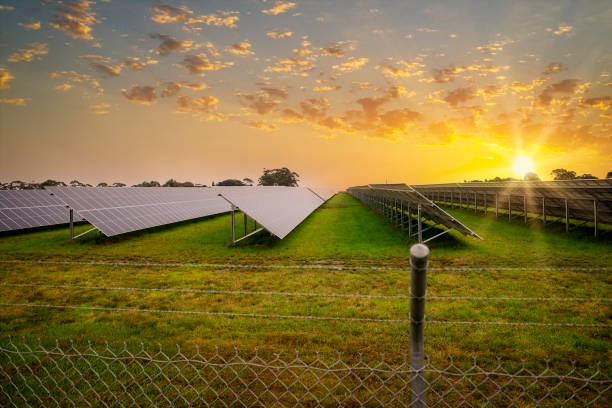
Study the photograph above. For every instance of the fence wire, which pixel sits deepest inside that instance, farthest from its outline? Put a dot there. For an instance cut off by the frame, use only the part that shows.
(300, 294)
(102, 376)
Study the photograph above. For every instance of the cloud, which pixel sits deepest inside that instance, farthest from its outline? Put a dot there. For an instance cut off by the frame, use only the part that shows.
(448, 74)
(494, 47)
(242, 48)
(290, 116)
(297, 66)
(75, 18)
(567, 86)
(136, 64)
(204, 107)
(199, 64)
(6, 8)
(399, 118)
(338, 49)
(326, 88)
(459, 95)
(13, 101)
(352, 64)
(279, 35)
(169, 14)
(5, 78)
(553, 67)
(195, 87)
(27, 54)
(73, 78)
(31, 26)
(361, 85)
(427, 30)
(226, 19)
(276, 92)
(262, 102)
(561, 30)
(141, 94)
(602, 102)
(107, 71)
(315, 108)
(170, 89)
(405, 69)
(169, 44)
(280, 7)
(100, 109)
(261, 125)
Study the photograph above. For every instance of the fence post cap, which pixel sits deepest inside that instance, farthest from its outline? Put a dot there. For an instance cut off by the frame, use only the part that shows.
(419, 251)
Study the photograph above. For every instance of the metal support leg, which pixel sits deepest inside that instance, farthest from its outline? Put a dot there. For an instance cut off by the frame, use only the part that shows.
(595, 216)
(233, 224)
(419, 223)
(71, 224)
(419, 255)
(409, 221)
(509, 208)
(544, 210)
(566, 217)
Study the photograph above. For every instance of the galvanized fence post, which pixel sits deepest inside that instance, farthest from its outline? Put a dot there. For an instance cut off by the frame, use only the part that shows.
(419, 257)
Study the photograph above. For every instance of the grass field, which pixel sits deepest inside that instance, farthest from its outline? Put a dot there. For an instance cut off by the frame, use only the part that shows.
(342, 232)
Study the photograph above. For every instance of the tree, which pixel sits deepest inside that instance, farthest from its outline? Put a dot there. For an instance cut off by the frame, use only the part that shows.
(562, 174)
(231, 182)
(279, 177)
(148, 184)
(174, 183)
(50, 183)
(248, 181)
(531, 177)
(587, 176)
(103, 184)
(609, 175)
(118, 185)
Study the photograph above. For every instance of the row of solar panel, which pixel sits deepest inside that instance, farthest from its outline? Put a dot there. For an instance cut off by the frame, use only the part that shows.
(116, 211)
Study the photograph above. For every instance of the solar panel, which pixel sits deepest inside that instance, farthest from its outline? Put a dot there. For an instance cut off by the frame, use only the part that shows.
(540, 196)
(323, 193)
(403, 193)
(118, 210)
(20, 209)
(278, 209)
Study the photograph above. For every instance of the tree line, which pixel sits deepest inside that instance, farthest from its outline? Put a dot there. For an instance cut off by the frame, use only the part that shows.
(270, 177)
(557, 174)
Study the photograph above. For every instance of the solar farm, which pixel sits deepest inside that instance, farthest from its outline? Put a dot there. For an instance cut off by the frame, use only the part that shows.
(295, 296)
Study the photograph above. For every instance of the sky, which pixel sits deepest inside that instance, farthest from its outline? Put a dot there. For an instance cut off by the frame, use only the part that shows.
(342, 92)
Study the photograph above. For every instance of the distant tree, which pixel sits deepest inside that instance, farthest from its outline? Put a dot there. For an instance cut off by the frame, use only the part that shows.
(279, 177)
(77, 183)
(148, 184)
(531, 177)
(231, 182)
(475, 181)
(50, 183)
(174, 183)
(609, 175)
(103, 184)
(248, 181)
(562, 174)
(118, 185)
(586, 176)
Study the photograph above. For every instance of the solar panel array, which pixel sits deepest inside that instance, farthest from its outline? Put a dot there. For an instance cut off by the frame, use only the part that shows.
(395, 195)
(116, 211)
(278, 209)
(324, 193)
(20, 209)
(535, 197)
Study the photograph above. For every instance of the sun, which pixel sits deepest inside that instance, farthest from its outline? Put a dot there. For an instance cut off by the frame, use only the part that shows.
(523, 165)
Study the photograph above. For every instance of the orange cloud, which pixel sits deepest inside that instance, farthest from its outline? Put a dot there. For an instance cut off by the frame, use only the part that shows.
(100, 109)
(75, 18)
(226, 19)
(405, 69)
(27, 54)
(170, 14)
(242, 48)
(261, 125)
(338, 49)
(169, 44)
(13, 101)
(279, 35)
(280, 7)
(141, 94)
(298, 66)
(352, 64)
(31, 26)
(199, 64)
(5, 78)
(204, 107)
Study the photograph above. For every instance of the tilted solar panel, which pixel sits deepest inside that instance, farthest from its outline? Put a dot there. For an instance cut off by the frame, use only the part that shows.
(277, 209)
(120, 210)
(406, 194)
(324, 193)
(20, 209)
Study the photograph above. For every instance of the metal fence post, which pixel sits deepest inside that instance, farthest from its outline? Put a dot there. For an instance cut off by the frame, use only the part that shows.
(419, 256)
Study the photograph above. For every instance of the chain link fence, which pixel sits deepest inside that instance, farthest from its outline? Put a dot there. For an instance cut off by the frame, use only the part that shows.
(102, 376)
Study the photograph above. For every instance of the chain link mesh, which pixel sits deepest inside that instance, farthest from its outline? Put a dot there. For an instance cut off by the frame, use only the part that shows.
(102, 376)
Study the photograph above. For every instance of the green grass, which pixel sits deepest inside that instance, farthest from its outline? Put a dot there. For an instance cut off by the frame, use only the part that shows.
(345, 232)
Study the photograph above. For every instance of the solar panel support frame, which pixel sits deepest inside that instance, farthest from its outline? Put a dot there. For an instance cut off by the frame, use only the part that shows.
(71, 224)
(255, 231)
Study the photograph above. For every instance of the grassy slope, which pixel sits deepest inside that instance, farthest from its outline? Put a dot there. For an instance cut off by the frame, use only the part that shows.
(342, 231)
